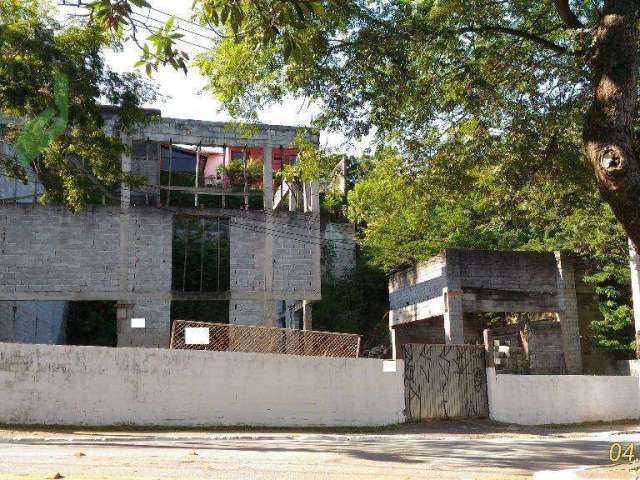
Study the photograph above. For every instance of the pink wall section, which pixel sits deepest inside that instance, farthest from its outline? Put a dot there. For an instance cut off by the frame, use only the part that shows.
(214, 160)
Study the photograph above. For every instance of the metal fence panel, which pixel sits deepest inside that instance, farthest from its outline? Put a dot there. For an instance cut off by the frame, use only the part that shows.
(244, 338)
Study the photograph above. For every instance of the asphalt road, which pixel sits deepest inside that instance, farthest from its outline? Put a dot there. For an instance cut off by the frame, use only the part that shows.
(444, 450)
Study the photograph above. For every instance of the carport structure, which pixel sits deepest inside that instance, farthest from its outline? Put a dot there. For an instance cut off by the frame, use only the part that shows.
(429, 301)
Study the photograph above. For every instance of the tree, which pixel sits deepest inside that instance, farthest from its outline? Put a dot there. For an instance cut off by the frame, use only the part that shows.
(77, 161)
(415, 69)
(467, 201)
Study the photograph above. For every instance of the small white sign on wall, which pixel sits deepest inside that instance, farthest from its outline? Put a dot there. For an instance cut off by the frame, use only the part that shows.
(389, 366)
(137, 322)
(196, 336)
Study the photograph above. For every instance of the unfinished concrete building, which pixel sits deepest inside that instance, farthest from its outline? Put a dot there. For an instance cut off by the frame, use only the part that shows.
(450, 298)
(211, 224)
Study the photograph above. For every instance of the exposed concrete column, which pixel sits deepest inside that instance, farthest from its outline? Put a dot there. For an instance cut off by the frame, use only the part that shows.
(453, 317)
(452, 296)
(396, 349)
(307, 315)
(568, 314)
(268, 305)
(156, 330)
(306, 196)
(634, 263)
(267, 176)
(315, 196)
(315, 244)
(125, 165)
(124, 308)
(290, 305)
(295, 200)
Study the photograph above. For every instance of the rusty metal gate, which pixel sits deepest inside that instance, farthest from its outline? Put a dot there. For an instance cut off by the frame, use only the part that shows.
(444, 381)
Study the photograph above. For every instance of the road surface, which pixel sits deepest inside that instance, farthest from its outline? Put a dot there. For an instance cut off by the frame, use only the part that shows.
(447, 450)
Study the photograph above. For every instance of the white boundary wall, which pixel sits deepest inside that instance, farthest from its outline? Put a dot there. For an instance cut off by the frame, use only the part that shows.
(64, 385)
(559, 399)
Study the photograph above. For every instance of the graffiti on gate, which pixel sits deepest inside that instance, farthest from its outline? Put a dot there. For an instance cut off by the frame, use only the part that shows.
(445, 381)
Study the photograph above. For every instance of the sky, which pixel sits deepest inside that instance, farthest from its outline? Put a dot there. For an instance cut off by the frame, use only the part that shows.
(184, 94)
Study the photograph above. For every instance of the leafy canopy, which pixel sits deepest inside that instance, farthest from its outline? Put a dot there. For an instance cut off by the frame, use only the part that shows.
(78, 161)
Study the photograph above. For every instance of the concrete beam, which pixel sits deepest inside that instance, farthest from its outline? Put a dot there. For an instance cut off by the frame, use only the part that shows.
(568, 314)
(452, 293)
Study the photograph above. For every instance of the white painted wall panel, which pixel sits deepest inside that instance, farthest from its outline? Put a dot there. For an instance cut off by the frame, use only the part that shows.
(64, 385)
(560, 399)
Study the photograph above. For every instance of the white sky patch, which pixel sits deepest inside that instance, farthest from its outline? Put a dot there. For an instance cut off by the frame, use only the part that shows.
(185, 98)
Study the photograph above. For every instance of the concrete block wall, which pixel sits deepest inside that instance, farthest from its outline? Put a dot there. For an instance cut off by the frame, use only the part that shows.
(49, 251)
(338, 249)
(52, 251)
(568, 313)
(294, 272)
(546, 355)
(247, 312)
(193, 132)
(473, 281)
(156, 333)
(11, 187)
(63, 385)
(99, 254)
(145, 157)
(422, 282)
(523, 271)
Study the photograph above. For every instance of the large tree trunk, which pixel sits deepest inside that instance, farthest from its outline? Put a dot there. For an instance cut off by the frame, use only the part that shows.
(608, 131)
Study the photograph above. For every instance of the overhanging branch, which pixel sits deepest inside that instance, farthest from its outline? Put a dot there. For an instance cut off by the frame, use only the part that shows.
(548, 44)
(566, 14)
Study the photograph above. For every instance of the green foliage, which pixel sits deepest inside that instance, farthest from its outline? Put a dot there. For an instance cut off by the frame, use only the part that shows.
(41, 131)
(478, 200)
(78, 162)
(355, 304)
(159, 48)
(235, 173)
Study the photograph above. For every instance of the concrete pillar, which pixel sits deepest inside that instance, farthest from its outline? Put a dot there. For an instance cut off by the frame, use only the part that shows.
(307, 315)
(295, 196)
(634, 264)
(157, 323)
(452, 296)
(125, 165)
(568, 314)
(246, 312)
(267, 176)
(268, 307)
(453, 317)
(315, 196)
(306, 196)
(395, 348)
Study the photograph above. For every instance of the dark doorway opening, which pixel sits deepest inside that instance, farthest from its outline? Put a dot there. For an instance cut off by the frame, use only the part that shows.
(92, 323)
(215, 311)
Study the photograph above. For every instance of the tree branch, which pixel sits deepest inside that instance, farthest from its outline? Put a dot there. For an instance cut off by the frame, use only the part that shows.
(548, 44)
(566, 14)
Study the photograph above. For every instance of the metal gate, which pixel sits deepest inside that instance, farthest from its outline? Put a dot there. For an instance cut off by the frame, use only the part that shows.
(444, 381)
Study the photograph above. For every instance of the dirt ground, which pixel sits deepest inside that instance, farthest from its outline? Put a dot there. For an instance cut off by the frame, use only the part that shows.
(437, 450)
